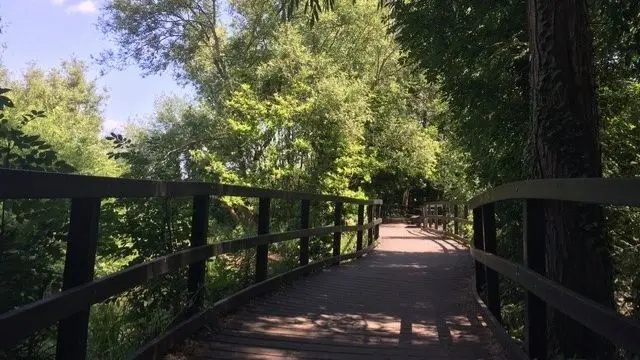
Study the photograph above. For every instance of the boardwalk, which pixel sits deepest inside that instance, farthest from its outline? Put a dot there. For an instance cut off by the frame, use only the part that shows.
(410, 298)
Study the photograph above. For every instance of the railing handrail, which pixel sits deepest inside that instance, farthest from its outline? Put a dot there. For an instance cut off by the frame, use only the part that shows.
(70, 308)
(27, 184)
(603, 191)
(618, 329)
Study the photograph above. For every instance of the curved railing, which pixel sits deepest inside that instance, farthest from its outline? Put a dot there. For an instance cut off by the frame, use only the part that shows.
(70, 308)
(540, 291)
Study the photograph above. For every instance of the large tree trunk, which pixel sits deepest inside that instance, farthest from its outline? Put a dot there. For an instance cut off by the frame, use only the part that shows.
(566, 143)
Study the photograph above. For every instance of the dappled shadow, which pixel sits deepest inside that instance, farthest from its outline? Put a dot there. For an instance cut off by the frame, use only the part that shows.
(408, 299)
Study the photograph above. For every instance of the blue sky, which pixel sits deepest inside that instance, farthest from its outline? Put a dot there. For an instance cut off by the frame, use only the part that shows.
(46, 32)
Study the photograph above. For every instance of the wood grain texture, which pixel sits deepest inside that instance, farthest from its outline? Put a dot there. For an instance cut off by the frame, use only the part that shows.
(408, 299)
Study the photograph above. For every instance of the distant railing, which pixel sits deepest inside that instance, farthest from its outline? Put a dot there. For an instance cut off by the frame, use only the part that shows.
(541, 291)
(70, 308)
(444, 214)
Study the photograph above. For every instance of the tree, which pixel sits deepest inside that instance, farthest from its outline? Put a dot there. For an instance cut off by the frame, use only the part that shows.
(28, 227)
(167, 34)
(73, 105)
(566, 143)
(478, 53)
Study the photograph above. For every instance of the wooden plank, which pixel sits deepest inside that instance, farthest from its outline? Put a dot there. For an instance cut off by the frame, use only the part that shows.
(337, 236)
(605, 191)
(23, 321)
(262, 251)
(513, 349)
(199, 229)
(462, 220)
(79, 267)
(618, 329)
(441, 202)
(351, 310)
(491, 277)
(359, 235)
(535, 313)
(304, 240)
(25, 184)
(161, 344)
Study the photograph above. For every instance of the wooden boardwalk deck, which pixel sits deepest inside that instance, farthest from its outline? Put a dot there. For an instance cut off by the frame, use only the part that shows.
(410, 298)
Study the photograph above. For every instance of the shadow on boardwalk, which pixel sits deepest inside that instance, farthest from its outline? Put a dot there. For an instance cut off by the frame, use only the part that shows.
(410, 298)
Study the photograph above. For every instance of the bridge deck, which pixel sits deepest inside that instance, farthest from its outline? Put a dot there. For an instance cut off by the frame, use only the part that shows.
(410, 298)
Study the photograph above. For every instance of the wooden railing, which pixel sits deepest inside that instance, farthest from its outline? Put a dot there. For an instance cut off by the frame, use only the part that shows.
(70, 308)
(540, 291)
(450, 216)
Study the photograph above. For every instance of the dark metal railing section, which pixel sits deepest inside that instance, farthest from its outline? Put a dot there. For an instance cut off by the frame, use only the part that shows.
(540, 291)
(70, 308)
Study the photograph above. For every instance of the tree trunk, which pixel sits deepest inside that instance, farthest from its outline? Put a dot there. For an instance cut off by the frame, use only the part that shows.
(566, 143)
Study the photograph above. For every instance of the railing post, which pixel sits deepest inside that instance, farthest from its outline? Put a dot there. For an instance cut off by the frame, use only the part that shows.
(445, 220)
(492, 279)
(79, 267)
(432, 210)
(534, 258)
(466, 212)
(376, 233)
(455, 219)
(370, 220)
(337, 236)
(478, 243)
(359, 234)
(304, 224)
(262, 251)
(199, 227)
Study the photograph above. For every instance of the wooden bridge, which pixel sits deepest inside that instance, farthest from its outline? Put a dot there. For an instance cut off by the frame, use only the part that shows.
(406, 292)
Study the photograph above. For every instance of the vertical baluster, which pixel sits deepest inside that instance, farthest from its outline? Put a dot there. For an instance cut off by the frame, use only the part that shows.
(337, 236)
(478, 243)
(445, 219)
(79, 267)
(466, 212)
(432, 213)
(455, 219)
(377, 228)
(199, 228)
(360, 234)
(262, 251)
(370, 220)
(534, 258)
(304, 224)
(492, 279)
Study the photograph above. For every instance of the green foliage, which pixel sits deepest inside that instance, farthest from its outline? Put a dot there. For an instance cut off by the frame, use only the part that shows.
(54, 127)
(31, 245)
(73, 122)
(340, 107)
(279, 106)
(478, 55)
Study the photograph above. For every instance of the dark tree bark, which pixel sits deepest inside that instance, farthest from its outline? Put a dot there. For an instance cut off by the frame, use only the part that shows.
(566, 143)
